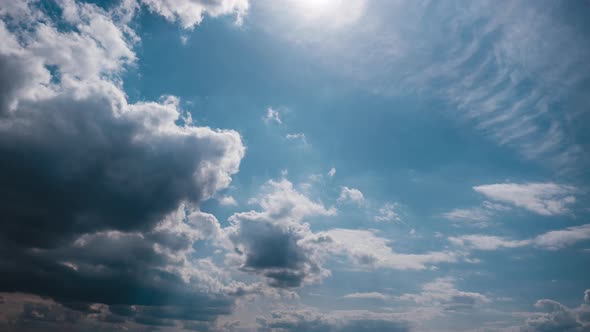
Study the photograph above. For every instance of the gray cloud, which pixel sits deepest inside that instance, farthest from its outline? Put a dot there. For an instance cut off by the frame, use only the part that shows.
(100, 199)
(558, 317)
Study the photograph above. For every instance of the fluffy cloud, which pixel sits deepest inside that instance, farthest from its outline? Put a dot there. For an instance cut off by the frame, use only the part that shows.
(228, 201)
(558, 317)
(269, 242)
(351, 195)
(542, 198)
(191, 12)
(278, 244)
(101, 197)
(551, 240)
(312, 321)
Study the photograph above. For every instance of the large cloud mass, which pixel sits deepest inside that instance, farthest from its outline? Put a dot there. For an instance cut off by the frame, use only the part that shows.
(100, 196)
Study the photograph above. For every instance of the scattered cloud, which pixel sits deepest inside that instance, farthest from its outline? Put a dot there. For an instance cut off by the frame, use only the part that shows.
(551, 240)
(443, 293)
(190, 13)
(479, 216)
(366, 250)
(546, 199)
(272, 115)
(332, 172)
(352, 195)
(388, 213)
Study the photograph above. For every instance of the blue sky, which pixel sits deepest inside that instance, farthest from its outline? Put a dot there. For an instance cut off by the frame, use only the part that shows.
(309, 165)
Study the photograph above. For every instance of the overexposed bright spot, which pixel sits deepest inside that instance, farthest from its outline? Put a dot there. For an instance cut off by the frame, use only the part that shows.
(327, 13)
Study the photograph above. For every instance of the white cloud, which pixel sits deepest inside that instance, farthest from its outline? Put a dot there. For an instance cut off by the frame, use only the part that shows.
(551, 240)
(332, 172)
(542, 198)
(228, 201)
(563, 238)
(365, 249)
(272, 116)
(351, 195)
(442, 292)
(190, 13)
(388, 213)
(486, 242)
(296, 136)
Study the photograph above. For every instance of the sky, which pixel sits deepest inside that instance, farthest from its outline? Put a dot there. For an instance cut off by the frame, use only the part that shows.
(294, 165)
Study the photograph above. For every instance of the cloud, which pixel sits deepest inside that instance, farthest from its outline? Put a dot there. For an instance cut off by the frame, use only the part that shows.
(551, 240)
(563, 238)
(546, 199)
(297, 137)
(190, 13)
(558, 317)
(312, 321)
(272, 116)
(442, 293)
(492, 66)
(228, 201)
(332, 172)
(278, 244)
(477, 216)
(486, 242)
(387, 213)
(352, 195)
(269, 242)
(364, 249)
(101, 196)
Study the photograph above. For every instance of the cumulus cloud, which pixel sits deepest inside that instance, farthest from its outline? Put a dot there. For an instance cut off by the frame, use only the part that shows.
(351, 195)
(190, 13)
(101, 196)
(228, 201)
(558, 317)
(551, 240)
(278, 244)
(268, 242)
(542, 198)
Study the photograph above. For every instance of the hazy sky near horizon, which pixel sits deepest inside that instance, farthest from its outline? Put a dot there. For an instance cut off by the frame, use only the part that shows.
(294, 165)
